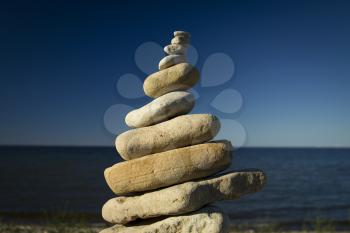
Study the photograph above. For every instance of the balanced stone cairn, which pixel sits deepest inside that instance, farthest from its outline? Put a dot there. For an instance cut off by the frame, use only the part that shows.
(169, 158)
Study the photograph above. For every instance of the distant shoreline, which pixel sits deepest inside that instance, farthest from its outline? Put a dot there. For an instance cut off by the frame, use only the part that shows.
(95, 228)
(48, 217)
(94, 219)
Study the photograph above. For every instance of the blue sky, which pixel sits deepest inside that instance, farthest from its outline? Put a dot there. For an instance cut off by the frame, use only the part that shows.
(60, 61)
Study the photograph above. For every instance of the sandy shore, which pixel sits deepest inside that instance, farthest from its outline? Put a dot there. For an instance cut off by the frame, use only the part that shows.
(14, 228)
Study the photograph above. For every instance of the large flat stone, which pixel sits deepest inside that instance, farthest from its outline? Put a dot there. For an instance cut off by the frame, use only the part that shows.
(183, 198)
(163, 108)
(168, 168)
(175, 78)
(207, 220)
(178, 132)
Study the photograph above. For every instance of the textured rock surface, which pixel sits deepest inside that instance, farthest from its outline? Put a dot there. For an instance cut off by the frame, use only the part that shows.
(175, 49)
(171, 60)
(168, 168)
(208, 220)
(183, 40)
(183, 198)
(175, 78)
(163, 108)
(178, 132)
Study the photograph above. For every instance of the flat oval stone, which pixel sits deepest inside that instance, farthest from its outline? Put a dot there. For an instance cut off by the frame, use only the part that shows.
(183, 198)
(210, 219)
(182, 33)
(175, 49)
(161, 109)
(168, 168)
(180, 40)
(171, 60)
(178, 132)
(180, 77)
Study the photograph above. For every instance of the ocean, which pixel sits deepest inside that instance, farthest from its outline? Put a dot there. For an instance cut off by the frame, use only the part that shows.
(302, 183)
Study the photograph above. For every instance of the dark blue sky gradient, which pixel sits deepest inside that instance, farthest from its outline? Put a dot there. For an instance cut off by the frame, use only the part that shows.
(59, 62)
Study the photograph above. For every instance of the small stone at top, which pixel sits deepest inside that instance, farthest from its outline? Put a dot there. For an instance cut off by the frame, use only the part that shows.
(182, 33)
(175, 49)
(180, 40)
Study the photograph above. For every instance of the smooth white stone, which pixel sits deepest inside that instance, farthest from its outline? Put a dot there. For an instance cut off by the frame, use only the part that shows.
(171, 60)
(161, 109)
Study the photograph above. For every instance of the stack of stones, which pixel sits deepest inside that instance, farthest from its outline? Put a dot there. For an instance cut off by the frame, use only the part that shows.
(170, 158)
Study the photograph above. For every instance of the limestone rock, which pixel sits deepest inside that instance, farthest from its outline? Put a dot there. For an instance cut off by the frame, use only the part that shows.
(168, 168)
(163, 108)
(180, 40)
(175, 78)
(175, 49)
(207, 220)
(183, 198)
(182, 33)
(178, 132)
(171, 60)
